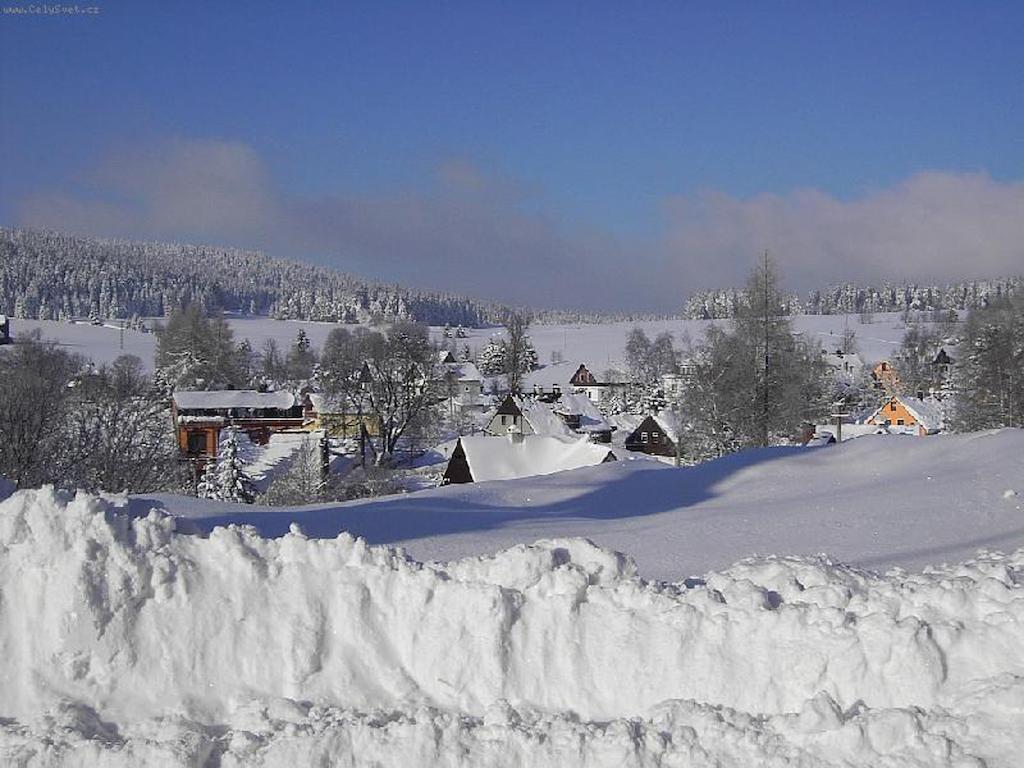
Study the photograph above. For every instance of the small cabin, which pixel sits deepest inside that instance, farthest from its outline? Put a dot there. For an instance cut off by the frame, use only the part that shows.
(654, 437)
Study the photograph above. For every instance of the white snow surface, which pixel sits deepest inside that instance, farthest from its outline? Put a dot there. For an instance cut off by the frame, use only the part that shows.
(126, 642)
(600, 346)
(875, 502)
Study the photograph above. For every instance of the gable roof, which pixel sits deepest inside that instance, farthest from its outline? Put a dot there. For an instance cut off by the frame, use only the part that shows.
(509, 407)
(222, 399)
(666, 423)
(498, 458)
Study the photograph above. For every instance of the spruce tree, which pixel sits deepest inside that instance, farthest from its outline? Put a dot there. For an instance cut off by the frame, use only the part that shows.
(227, 480)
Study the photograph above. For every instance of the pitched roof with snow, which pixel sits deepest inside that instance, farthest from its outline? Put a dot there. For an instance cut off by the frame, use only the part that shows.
(220, 399)
(543, 418)
(498, 458)
(591, 419)
(548, 377)
(466, 371)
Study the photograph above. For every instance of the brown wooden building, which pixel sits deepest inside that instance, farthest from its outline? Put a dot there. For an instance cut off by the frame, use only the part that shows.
(654, 437)
(200, 416)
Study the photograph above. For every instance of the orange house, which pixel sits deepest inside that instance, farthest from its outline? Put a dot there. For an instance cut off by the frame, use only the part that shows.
(885, 376)
(909, 415)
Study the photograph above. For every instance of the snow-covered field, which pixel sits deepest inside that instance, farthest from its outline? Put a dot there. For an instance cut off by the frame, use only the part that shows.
(597, 345)
(129, 642)
(874, 502)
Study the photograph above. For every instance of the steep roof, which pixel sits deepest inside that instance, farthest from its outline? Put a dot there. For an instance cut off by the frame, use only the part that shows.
(499, 458)
(666, 420)
(220, 399)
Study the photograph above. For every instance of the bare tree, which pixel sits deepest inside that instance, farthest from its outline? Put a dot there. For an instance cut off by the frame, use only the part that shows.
(520, 357)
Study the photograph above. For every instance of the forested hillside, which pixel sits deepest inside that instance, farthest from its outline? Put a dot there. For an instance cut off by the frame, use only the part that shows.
(50, 276)
(850, 298)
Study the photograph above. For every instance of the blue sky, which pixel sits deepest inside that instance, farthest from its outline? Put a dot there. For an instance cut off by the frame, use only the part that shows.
(435, 144)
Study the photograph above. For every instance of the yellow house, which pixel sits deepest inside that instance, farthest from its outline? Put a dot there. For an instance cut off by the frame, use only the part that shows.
(336, 419)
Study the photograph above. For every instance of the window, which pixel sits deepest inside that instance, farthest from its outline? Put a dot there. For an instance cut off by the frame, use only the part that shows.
(900, 422)
(643, 437)
(655, 437)
(892, 406)
(196, 443)
(504, 420)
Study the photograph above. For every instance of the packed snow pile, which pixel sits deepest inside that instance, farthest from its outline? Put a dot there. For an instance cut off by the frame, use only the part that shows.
(128, 643)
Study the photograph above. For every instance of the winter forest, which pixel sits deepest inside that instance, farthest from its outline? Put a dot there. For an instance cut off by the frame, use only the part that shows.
(53, 276)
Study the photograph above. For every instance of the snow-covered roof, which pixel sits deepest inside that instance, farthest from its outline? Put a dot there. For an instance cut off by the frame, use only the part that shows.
(543, 418)
(927, 414)
(850, 361)
(219, 399)
(499, 458)
(324, 403)
(591, 419)
(466, 371)
(550, 376)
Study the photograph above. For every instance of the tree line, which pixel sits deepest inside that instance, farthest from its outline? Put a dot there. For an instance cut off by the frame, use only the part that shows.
(52, 276)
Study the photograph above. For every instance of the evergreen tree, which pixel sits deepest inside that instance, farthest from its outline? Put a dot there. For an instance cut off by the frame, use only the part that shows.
(491, 360)
(989, 376)
(226, 480)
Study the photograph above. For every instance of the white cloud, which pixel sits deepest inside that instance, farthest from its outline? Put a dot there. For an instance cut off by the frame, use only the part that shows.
(484, 234)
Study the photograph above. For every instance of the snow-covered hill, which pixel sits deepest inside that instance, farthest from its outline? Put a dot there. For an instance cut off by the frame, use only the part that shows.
(874, 502)
(127, 641)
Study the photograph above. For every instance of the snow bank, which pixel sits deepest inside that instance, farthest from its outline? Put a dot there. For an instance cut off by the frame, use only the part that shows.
(127, 643)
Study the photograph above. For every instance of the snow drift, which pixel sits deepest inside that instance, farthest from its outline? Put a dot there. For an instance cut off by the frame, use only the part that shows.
(125, 642)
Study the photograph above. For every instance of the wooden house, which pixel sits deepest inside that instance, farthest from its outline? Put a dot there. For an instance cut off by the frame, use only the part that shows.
(909, 415)
(480, 458)
(654, 435)
(5, 329)
(199, 417)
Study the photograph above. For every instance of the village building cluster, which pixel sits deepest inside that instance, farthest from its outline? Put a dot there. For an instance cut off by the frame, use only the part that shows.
(555, 422)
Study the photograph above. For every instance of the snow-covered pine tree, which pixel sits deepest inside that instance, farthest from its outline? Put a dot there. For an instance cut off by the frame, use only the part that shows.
(491, 360)
(227, 480)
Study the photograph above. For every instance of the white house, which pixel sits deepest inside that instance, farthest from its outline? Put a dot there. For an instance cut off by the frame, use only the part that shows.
(526, 416)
